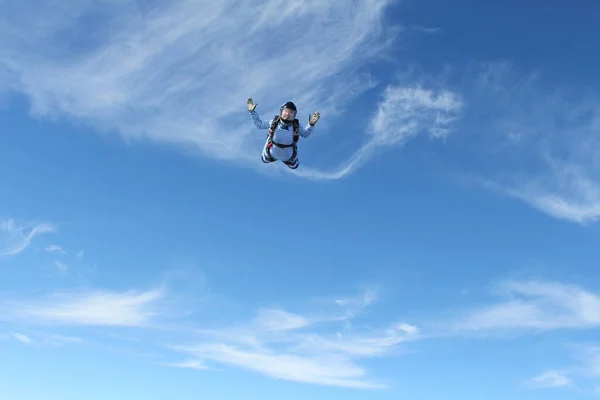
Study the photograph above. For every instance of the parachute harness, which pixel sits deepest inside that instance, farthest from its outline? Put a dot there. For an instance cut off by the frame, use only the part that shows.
(271, 142)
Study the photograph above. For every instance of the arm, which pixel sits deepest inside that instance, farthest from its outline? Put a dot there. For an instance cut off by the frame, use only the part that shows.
(308, 128)
(260, 124)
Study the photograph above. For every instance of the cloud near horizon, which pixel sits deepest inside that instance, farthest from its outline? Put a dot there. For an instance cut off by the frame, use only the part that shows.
(322, 342)
(551, 379)
(313, 348)
(534, 306)
(91, 308)
(582, 376)
(317, 345)
(303, 347)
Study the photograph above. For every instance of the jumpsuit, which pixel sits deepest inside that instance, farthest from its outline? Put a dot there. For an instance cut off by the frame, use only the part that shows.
(284, 134)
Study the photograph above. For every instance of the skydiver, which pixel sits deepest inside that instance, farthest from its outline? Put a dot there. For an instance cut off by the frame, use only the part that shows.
(284, 132)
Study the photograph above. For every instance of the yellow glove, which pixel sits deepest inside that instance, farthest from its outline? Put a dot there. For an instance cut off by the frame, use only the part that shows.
(251, 105)
(312, 119)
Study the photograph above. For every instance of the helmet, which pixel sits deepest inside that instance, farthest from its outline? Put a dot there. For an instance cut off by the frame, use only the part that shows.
(290, 106)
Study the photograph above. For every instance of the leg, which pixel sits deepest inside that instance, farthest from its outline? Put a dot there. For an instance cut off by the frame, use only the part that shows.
(266, 156)
(266, 159)
(293, 162)
(292, 165)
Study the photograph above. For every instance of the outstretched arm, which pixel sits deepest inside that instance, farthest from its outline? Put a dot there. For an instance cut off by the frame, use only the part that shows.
(308, 128)
(260, 124)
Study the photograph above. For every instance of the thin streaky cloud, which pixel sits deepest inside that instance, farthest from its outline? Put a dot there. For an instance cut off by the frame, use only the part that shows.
(320, 370)
(15, 238)
(96, 308)
(551, 379)
(534, 306)
(539, 142)
(191, 364)
(54, 248)
(299, 347)
(22, 338)
(279, 320)
(403, 113)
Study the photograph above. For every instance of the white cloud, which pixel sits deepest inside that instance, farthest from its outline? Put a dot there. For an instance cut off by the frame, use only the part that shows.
(403, 113)
(54, 248)
(534, 306)
(89, 308)
(356, 345)
(584, 376)
(279, 320)
(22, 338)
(316, 370)
(41, 338)
(191, 364)
(551, 379)
(539, 306)
(368, 297)
(408, 111)
(537, 143)
(177, 72)
(299, 348)
(53, 339)
(15, 238)
(312, 346)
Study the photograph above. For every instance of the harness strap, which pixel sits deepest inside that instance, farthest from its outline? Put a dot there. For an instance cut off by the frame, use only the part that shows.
(271, 142)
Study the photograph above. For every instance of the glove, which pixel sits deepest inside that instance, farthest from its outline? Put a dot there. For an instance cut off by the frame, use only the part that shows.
(312, 119)
(251, 105)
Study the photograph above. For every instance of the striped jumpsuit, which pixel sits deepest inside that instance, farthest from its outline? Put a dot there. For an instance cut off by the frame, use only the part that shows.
(283, 135)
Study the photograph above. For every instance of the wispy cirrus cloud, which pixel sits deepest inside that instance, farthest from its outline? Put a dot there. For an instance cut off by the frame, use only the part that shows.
(22, 337)
(15, 238)
(300, 349)
(279, 320)
(191, 364)
(403, 113)
(41, 338)
(365, 299)
(534, 141)
(540, 307)
(175, 73)
(180, 72)
(551, 379)
(315, 345)
(95, 308)
(54, 248)
(582, 376)
(325, 370)
(535, 306)
(310, 347)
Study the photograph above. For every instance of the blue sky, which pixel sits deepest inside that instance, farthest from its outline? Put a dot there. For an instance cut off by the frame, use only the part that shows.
(439, 239)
